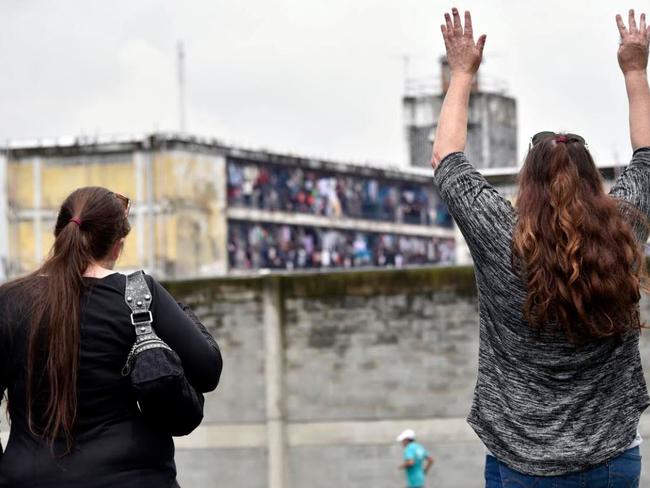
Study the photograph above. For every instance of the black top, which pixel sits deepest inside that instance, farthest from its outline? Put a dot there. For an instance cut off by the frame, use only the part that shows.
(542, 405)
(114, 446)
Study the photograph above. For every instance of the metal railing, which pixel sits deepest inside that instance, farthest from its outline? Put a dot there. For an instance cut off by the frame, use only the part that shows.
(432, 85)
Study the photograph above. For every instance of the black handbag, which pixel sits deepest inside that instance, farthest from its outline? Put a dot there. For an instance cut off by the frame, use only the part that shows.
(165, 397)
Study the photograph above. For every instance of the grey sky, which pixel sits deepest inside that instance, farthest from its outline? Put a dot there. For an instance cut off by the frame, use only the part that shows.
(315, 77)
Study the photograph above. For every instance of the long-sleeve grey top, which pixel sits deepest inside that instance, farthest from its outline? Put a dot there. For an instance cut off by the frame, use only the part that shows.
(542, 405)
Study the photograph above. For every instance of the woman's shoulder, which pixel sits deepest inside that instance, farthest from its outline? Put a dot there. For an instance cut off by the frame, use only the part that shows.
(149, 279)
(153, 284)
(21, 290)
(121, 277)
(17, 298)
(117, 282)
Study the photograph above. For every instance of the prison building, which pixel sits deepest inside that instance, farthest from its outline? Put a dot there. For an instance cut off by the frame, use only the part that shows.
(202, 208)
(492, 121)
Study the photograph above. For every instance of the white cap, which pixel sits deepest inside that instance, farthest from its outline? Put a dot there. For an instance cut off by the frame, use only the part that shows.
(407, 434)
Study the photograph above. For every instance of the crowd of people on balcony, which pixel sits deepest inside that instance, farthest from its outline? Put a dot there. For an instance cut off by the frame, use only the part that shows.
(273, 246)
(293, 189)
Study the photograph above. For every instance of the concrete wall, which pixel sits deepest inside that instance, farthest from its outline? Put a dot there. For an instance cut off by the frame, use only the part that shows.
(358, 348)
(315, 395)
(233, 313)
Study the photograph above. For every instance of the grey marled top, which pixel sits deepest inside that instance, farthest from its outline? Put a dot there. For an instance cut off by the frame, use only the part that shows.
(541, 405)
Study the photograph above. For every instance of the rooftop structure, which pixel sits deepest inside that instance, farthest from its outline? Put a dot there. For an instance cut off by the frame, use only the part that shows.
(492, 124)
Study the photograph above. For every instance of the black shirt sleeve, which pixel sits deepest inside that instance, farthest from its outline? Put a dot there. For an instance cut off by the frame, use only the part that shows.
(199, 324)
(4, 351)
(185, 334)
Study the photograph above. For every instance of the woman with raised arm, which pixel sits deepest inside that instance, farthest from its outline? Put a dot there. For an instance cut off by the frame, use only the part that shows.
(560, 387)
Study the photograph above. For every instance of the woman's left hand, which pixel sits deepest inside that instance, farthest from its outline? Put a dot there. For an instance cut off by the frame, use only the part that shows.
(463, 54)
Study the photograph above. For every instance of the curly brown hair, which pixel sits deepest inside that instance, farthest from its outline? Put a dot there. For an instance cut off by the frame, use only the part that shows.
(580, 260)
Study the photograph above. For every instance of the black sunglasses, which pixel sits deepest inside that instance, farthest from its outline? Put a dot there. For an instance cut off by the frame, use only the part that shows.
(540, 136)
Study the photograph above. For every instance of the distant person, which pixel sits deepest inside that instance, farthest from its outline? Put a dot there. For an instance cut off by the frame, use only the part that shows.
(560, 385)
(65, 334)
(417, 461)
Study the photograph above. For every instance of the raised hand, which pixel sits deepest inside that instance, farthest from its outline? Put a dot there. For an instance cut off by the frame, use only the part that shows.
(463, 54)
(633, 51)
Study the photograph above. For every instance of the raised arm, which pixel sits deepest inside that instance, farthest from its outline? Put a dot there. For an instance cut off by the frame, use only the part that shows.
(464, 57)
(633, 60)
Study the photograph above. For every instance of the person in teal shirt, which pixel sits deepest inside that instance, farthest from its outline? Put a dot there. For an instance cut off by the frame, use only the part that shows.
(417, 460)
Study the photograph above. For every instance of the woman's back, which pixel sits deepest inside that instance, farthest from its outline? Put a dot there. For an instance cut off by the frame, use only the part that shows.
(113, 444)
(542, 404)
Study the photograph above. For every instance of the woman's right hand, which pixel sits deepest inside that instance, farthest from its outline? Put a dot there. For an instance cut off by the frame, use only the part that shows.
(633, 51)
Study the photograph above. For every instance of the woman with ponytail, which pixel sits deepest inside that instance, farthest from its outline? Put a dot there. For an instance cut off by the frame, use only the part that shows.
(560, 386)
(65, 334)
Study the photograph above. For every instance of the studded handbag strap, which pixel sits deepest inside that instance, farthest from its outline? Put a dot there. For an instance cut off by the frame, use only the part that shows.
(138, 298)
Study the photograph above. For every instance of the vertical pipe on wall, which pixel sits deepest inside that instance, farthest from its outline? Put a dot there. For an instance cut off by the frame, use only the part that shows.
(274, 373)
(139, 168)
(220, 209)
(37, 184)
(486, 129)
(4, 220)
(151, 214)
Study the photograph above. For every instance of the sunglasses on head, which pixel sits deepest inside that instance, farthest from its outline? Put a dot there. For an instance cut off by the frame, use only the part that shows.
(126, 201)
(540, 136)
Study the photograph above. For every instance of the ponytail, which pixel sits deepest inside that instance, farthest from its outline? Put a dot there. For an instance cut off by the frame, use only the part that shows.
(55, 326)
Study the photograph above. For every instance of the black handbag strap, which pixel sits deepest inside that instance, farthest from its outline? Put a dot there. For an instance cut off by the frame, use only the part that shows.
(137, 296)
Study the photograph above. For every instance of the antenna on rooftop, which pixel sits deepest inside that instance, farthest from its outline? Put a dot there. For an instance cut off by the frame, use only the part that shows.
(406, 59)
(181, 85)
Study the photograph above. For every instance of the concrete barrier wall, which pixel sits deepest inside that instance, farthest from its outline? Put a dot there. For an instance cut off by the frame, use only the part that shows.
(322, 371)
(232, 310)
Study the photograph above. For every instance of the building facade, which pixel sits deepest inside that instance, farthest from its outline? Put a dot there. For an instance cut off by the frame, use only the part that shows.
(201, 208)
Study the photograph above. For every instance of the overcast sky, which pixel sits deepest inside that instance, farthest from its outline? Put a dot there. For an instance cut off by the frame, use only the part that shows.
(314, 77)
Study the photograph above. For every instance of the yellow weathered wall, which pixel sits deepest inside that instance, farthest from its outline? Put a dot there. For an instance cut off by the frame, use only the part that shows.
(129, 258)
(59, 180)
(184, 190)
(189, 183)
(26, 245)
(20, 179)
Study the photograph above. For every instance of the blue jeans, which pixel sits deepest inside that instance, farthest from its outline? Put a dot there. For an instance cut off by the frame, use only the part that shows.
(622, 471)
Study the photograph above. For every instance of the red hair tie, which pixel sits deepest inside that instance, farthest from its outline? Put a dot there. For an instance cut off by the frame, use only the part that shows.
(561, 138)
(76, 220)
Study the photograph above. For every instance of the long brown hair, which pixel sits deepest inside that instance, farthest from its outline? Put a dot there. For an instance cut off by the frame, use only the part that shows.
(90, 222)
(580, 260)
